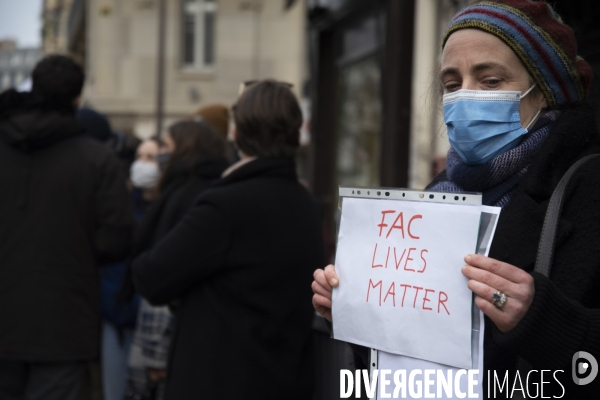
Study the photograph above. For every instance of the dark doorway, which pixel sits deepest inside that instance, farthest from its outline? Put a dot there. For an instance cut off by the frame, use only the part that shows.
(361, 74)
(583, 17)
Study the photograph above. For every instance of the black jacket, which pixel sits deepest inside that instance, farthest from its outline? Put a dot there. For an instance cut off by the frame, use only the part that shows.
(564, 317)
(181, 187)
(64, 207)
(241, 261)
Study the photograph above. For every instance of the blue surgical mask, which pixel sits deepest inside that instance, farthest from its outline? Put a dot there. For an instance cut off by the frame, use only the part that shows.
(484, 123)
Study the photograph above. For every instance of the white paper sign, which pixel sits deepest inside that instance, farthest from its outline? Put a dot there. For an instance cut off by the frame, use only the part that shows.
(401, 287)
(455, 381)
(394, 362)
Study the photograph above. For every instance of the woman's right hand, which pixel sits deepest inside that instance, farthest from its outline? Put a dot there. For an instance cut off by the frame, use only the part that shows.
(325, 280)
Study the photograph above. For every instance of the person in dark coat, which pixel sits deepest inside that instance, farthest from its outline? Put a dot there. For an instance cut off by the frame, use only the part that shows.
(118, 318)
(240, 262)
(490, 49)
(64, 209)
(196, 158)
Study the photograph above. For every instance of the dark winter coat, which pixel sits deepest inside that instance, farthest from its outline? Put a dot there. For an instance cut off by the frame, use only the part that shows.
(241, 261)
(64, 208)
(181, 187)
(564, 317)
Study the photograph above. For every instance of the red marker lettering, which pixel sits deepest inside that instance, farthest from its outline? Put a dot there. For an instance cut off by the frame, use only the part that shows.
(404, 295)
(373, 262)
(374, 286)
(424, 261)
(392, 291)
(425, 299)
(409, 259)
(396, 258)
(418, 216)
(416, 294)
(442, 302)
(387, 257)
(382, 224)
(394, 226)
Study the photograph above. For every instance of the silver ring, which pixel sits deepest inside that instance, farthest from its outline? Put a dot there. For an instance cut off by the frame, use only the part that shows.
(499, 299)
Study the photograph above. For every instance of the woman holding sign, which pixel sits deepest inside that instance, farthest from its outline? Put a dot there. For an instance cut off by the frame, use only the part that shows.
(514, 95)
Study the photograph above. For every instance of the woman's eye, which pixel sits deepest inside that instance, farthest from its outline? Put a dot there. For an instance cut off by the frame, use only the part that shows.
(491, 82)
(451, 87)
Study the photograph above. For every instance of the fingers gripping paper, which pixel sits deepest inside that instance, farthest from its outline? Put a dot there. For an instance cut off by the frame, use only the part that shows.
(401, 287)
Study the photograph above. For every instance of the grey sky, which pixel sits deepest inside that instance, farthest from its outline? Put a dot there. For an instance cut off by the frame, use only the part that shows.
(21, 20)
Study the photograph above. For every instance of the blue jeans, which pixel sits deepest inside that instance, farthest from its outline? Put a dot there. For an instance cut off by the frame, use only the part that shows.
(115, 356)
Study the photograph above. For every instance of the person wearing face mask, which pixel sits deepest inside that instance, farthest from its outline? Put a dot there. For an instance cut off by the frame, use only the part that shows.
(119, 314)
(514, 98)
(145, 170)
(191, 158)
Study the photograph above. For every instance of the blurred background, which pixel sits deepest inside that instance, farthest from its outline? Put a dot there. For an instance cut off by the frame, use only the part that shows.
(364, 71)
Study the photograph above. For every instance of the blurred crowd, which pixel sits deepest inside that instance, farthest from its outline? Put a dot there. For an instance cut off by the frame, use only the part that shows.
(193, 235)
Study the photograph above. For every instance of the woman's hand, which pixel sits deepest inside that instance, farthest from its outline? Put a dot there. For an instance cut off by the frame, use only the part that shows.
(487, 276)
(325, 280)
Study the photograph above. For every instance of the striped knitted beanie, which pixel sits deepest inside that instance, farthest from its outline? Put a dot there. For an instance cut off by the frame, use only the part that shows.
(537, 35)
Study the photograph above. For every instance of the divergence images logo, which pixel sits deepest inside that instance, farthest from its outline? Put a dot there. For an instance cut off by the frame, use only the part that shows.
(584, 363)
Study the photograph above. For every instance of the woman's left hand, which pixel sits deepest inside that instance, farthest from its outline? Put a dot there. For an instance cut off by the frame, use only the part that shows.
(487, 276)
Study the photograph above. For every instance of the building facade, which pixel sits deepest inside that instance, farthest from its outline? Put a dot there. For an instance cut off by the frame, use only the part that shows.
(16, 64)
(63, 28)
(210, 47)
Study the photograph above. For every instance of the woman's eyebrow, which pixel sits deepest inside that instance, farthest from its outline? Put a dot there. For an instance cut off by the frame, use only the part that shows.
(475, 68)
(488, 65)
(449, 71)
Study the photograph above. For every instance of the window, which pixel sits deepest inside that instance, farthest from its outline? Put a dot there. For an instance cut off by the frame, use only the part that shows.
(32, 58)
(19, 77)
(198, 36)
(359, 124)
(6, 81)
(16, 60)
